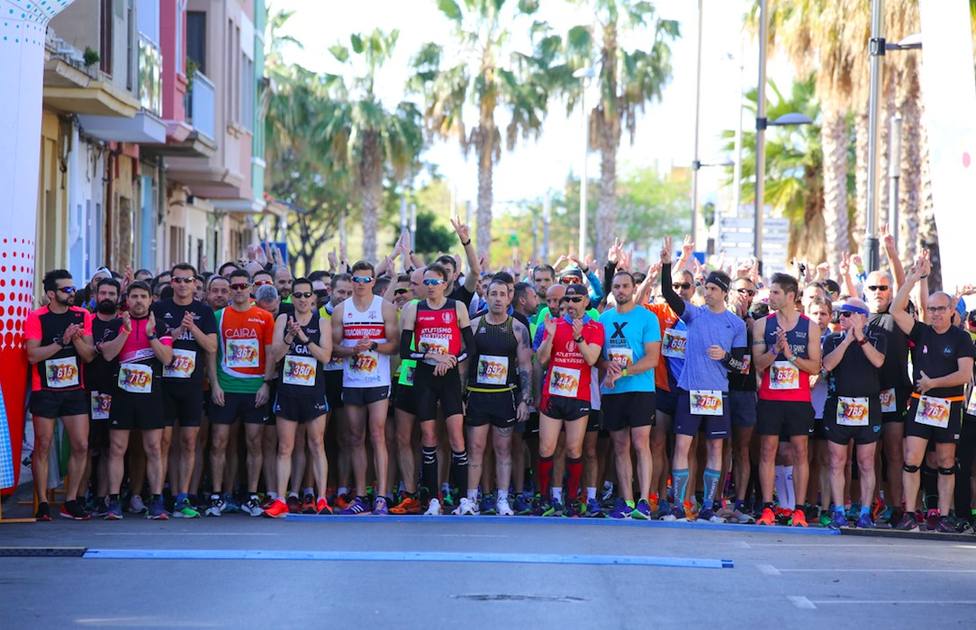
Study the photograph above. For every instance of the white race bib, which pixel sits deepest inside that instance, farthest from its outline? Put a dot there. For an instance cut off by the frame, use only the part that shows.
(784, 375)
(434, 345)
(853, 412)
(933, 411)
(184, 362)
(101, 406)
(564, 382)
(62, 372)
(365, 362)
(492, 370)
(242, 353)
(889, 403)
(298, 371)
(624, 357)
(705, 402)
(135, 378)
(971, 403)
(675, 342)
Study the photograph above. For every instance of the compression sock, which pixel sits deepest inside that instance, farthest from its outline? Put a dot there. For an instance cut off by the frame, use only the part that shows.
(575, 469)
(459, 469)
(680, 479)
(710, 485)
(790, 489)
(545, 475)
(557, 494)
(590, 493)
(779, 485)
(428, 469)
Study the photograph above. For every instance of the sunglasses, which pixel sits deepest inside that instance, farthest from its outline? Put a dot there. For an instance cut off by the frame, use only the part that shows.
(936, 309)
(433, 282)
(749, 292)
(362, 279)
(400, 291)
(240, 286)
(878, 287)
(68, 290)
(262, 283)
(846, 314)
(321, 293)
(303, 294)
(575, 300)
(179, 280)
(570, 280)
(684, 286)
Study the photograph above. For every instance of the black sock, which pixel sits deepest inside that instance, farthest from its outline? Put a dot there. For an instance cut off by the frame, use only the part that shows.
(459, 471)
(113, 498)
(428, 470)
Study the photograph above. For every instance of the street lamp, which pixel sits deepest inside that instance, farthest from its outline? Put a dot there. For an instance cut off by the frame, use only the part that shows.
(583, 74)
(695, 164)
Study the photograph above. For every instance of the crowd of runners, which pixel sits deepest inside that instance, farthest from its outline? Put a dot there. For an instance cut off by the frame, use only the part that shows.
(676, 391)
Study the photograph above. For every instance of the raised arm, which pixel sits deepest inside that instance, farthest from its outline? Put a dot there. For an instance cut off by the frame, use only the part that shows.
(898, 307)
(474, 267)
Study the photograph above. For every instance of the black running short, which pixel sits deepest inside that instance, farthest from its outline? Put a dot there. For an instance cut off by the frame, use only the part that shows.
(667, 402)
(333, 388)
(239, 407)
(182, 404)
(363, 396)
(300, 409)
(405, 398)
(563, 408)
(137, 411)
(786, 417)
(431, 390)
(938, 435)
(628, 410)
(46, 403)
(843, 434)
(496, 408)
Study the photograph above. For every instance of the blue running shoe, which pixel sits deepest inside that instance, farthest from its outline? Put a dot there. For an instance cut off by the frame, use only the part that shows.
(839, 520)
(864, 522)
(594, 509)
(664, 509)
(622, 509)
(157, 511)
(230, 504)
(114, 511)
(854, 511)
(380, 507)
(357, 507)
(488, 505)
(642, 511)
(554, 508)
(523, 505)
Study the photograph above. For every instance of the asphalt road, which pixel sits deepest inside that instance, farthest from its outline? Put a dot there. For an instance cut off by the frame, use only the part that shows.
(475, 572)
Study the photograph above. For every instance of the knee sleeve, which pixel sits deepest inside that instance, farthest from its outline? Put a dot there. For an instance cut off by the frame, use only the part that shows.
(947, 471)
(909, 469)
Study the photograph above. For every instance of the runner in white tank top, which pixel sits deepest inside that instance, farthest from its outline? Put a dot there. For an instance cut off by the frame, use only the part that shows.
(367, 368)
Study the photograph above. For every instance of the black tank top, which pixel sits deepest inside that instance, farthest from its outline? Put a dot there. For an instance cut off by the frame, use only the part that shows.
(495, 356)
(301, 373)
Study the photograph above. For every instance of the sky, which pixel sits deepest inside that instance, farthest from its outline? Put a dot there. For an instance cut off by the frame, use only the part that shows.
(665, 132)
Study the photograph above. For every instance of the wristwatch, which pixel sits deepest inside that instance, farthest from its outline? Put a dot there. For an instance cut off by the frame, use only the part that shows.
(578, 340)
(373, 346)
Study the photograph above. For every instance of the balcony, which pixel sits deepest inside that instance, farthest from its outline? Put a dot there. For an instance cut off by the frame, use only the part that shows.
(200, 97)
(150, 76)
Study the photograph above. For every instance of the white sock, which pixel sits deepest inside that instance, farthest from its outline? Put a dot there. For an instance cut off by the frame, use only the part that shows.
(473, 495)
(343, 490)
(273, 495)
(557, 494)
(590, 493)
(780, 486)
(308, 491)
(503, 495)
(790, 490)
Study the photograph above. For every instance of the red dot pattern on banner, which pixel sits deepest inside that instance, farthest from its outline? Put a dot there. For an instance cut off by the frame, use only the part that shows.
(16, 289)
(966, 159)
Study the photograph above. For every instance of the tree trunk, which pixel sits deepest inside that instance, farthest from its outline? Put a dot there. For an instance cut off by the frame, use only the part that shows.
(833, 137)
(606, 211)
(485, 192)
(371, 188)
(911, 165)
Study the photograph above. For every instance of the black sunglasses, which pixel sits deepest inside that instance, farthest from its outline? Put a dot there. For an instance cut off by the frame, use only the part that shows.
(399, 291)
(303, 294)
(878, 287)
(684, 286)
(749, 292)
(179, 280)
(846, 314)
(575, 300)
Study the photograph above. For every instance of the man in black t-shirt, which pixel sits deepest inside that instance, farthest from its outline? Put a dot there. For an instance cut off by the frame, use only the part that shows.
(942, 360)
(193, 328)
(462, 292)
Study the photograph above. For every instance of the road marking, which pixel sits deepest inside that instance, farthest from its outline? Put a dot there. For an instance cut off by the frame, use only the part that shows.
(767, 569)
(877, 570)
(801, 602)
(227, 533)
(817, 545)
(893, 602)
(403, 556)
(144, 622)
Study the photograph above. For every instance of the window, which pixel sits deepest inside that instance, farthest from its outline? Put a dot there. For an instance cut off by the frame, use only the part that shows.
(247, 92)
(105, 38)
(196, 39)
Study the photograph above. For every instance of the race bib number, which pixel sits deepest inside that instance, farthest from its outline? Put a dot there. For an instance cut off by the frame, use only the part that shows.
(408, 376)
(971, 403)
(674, 344)
(298, 371)
(624, 357)
(365, 362)
(746, 364)
(889, 403)
(853, 412)
(492, 370)
(184, 362)
(784, 375)
(101, 406)
(135, 378)
(705, 402)
(933, 411)
(434, 345)
(242, 353)
(62, 372)
(334, 365)
(564, 382)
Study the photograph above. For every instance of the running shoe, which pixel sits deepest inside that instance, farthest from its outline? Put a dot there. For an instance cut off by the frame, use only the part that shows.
(380, 507)
(252, 506)
(216, 505)
(655, 503)
(466, 507)
(838, 520)
(799, 519)
(607, 491)
(323, 508)
(690, 511)
(294, 505)
(343, 501)
(908, 523)
(183, 509)
(885, 516)
(877, 508)
(277, 509)
(554, 508)
(664, 510)
(575, 509)
(594, 509)
(433, 508)
(741, 515)
(768, 517)
(487, 507)
(308, 505)
(946, 526)
(231, 506)
(136, 505)
(812, 512)
(101, 507)
(523, 504)
(932, 519)
(825, 520)
(114, 511)
(408, 505)
(854, 511)
(450, 501)
(357, 507)
(709, 516)
(677, 514)
(157, 511)
(73, 511)
(864, 522)
(622, 509)
(642, 511)
(502, 508)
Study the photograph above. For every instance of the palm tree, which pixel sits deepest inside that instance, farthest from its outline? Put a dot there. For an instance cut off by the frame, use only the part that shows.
(362, 134)
(480, 72)
(627, 79)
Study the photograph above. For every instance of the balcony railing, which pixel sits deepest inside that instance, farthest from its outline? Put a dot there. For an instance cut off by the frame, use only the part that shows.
(200, 105)
(150, 76)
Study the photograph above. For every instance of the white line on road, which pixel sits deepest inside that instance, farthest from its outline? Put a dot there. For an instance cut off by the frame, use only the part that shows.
(186, 534)
(801, 602)
(767, 569)
(894, 602)
(877, 570)
(832, 545)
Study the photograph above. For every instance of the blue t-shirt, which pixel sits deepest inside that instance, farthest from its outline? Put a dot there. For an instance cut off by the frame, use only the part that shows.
(625, 335)
(707, 328)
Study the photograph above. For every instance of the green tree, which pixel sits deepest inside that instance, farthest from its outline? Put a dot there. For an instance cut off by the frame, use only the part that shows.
(627, 79)
(481, 72)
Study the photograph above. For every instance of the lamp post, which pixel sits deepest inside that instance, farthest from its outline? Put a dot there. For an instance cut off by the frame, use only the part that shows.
(695, 163)
(583, 74)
